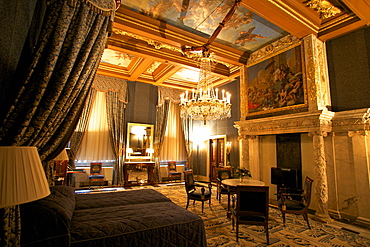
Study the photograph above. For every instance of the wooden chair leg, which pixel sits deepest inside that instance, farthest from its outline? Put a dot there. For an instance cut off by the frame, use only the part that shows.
(187, 204)
(202, 206)
(267, 234)
(237, 230)
(283, 218)
(305, 216)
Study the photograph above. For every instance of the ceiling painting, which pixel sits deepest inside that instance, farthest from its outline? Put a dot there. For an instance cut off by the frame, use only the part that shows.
(116, 58)
(149, 36)
(245, 31)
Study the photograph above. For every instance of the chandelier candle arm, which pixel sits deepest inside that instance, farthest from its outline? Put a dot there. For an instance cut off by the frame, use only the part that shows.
(205, 103)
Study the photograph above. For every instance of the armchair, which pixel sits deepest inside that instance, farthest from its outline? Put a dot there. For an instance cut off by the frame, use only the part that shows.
(251, 207)
(294, 203)
(221, 189)
(172, 171)
(195, 191)
(96, 173)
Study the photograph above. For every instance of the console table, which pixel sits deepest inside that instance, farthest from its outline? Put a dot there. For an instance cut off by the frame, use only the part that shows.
(138, 173)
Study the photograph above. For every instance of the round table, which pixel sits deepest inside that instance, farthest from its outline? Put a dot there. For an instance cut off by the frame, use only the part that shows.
(234, 182)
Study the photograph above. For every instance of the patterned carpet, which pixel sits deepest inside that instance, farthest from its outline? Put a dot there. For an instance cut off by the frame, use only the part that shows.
(219, 231)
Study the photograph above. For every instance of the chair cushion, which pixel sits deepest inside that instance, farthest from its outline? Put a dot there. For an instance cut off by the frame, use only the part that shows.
(198, 195)
(96, 176)
(175, 173)
(292, 205)
(250, 218)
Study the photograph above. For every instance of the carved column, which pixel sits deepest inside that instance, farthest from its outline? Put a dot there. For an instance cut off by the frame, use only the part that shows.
(249, 156)
(321, 182)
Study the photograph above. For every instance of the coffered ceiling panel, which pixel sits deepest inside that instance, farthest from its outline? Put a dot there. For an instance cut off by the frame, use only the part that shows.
(148, 35)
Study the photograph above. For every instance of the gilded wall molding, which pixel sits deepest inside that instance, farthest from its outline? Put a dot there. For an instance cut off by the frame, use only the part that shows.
(316, 73)
(310, 69)
(273, 49)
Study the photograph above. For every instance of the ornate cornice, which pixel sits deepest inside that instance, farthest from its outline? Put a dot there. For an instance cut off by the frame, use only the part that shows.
(349, 121)
(292, 123)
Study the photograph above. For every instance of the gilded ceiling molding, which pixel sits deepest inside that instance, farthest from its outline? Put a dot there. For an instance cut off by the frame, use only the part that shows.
(273, 49)
(158, 45)
(298, 17)
(323, 7)
(153, 67)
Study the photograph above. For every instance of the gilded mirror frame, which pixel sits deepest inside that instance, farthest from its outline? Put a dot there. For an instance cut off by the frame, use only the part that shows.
(139, 143)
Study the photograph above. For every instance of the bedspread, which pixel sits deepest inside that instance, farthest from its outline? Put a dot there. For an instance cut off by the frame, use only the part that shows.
(128, 218)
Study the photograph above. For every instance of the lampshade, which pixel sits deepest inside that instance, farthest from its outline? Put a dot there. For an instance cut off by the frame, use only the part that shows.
(22, 177)
(150, 150)
(62, 155)
(129, 150)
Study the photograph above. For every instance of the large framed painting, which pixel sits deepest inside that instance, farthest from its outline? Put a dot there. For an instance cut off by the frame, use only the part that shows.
(277, 83)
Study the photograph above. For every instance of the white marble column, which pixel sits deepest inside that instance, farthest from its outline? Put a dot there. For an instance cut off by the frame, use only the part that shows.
(320, 182)
(361, 159)
(249, 157)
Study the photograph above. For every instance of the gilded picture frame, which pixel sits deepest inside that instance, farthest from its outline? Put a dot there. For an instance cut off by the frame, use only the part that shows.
(277, 84)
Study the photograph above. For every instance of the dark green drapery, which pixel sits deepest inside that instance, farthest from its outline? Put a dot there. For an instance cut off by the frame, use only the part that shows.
(54, 85)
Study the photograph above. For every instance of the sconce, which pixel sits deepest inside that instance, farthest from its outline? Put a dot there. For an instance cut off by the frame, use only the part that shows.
(228, 150)
(228, 147)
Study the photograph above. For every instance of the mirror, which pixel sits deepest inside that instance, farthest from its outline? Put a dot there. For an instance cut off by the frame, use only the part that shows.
(139, 141)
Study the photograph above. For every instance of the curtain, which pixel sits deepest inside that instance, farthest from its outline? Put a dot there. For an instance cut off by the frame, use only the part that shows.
(173, 147)
(187, 127)
(187, 124)
(116, 123)
(76, 138)
(96, 144)
(55, 85)
(115, 91)
(160, 129)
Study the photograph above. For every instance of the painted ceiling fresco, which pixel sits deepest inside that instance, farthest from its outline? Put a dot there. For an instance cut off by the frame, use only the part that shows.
(245, 31)
(116, 58)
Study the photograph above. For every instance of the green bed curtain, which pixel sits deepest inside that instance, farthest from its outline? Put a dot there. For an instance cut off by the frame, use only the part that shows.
(55, 84)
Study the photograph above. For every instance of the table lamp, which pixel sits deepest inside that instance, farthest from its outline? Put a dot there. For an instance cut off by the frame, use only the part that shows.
(22, 179)
(150, 151)
(61, 165)
(62, 155)
(129, 151)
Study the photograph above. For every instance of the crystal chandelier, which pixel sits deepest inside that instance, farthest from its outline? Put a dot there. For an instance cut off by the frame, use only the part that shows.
(205, 103)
